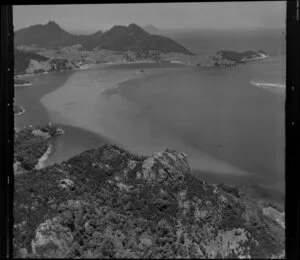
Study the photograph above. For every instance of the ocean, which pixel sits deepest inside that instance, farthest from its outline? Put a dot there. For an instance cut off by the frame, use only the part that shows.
(229, 121)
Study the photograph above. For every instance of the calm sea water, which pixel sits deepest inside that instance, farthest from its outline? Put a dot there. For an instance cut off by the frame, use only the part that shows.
(223, 113)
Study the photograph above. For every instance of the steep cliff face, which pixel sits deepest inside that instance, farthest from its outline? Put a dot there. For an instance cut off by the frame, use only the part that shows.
(107, 202)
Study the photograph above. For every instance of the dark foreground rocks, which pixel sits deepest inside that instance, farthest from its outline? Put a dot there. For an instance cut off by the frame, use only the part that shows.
(108, 203)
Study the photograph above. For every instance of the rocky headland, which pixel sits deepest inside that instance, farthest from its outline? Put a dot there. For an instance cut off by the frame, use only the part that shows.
(110, 203)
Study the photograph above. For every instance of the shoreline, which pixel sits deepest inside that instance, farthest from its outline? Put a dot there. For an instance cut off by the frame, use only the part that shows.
(22, 85)
(42, 160)
(95, 66)
(257, 58)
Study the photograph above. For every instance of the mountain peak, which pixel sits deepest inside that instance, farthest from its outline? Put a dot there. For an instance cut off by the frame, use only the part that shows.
(133, 25)
(52, 23)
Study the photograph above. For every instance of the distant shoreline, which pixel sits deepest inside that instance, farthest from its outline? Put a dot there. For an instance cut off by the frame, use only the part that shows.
(95, 66)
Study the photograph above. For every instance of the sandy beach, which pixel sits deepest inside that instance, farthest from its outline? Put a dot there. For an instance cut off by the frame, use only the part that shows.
(83, 102)
(43, 158)
(23, 85)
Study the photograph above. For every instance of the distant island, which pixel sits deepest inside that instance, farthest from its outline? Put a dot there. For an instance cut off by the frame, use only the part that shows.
(233, 58)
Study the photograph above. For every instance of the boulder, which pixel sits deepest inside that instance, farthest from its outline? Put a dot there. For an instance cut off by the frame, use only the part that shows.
(66, 184)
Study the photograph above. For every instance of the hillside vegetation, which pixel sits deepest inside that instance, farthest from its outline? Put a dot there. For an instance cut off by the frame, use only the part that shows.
(109, 203)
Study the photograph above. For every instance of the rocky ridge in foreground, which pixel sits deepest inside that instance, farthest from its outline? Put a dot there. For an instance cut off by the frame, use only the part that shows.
(109, 203)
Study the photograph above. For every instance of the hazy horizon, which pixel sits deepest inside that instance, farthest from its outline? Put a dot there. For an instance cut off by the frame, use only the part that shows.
(88, 18)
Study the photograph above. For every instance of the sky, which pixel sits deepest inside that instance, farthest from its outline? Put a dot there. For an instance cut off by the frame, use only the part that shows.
(93, 17)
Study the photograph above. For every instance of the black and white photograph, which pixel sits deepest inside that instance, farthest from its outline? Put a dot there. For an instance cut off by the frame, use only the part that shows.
(149, 130)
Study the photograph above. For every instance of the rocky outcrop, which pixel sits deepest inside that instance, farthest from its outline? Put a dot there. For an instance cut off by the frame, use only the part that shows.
(18, 110)
(167, 167)
(51, 234)
(233, 58)
(66, 184)
(109, 203)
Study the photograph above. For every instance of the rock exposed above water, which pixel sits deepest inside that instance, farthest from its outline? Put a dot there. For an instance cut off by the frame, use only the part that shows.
(233, 58)
(109, 203)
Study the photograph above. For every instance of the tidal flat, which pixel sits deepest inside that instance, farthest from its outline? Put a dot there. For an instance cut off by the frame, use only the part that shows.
(206, 113)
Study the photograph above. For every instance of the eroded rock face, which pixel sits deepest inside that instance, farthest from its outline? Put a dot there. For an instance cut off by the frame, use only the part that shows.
(279, 217)
(51, 235)
(36, 65)
(139, 207)
(165, 167)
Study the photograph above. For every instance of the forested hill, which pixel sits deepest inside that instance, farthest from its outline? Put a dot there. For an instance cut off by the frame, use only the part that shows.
(109, 203)
(51, 35)
(118, 38)
(134, 38)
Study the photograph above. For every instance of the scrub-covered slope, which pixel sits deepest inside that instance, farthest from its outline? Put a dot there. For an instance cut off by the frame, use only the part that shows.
(109, 203)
